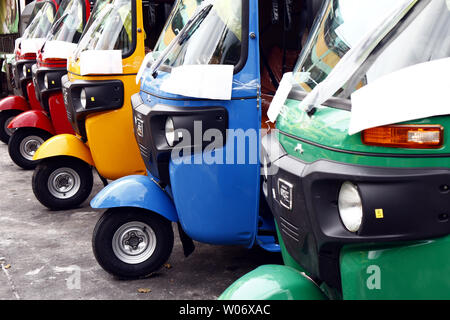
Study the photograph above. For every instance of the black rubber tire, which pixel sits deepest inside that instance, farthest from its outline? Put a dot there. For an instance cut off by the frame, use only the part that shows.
(40, 182)
(5, 115)
(14, 146)
(104, 232)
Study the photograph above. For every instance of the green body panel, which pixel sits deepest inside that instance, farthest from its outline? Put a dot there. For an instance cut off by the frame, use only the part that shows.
(273, 282)
(410, 271)
(329, 127)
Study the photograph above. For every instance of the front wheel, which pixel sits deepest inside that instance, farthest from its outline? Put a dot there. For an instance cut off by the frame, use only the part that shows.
(5, 118)
(132, 243)
(62, 183)
(23, 145)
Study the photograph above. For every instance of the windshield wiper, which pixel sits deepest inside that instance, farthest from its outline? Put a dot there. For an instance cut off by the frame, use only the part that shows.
(182, 36)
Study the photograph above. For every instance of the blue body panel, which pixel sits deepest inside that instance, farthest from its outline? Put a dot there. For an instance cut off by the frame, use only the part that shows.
(136, 192)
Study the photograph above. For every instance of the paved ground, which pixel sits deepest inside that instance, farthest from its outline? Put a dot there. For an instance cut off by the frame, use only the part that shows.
(48, 255)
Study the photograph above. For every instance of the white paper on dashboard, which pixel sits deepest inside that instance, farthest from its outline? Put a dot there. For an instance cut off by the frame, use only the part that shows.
(55, 49)
(31, 45)
(101, 62)
(416, 92)
(280, 97)
(212, 81)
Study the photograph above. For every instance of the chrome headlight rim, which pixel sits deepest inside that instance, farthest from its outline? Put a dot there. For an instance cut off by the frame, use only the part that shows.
(83, 100)
(170, 131)
(350, 206)
(46, 82)
(24, 71)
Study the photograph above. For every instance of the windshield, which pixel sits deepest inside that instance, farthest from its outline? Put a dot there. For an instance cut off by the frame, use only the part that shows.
(110, 29)
(70, 26)
(425, 39)
(343, 25)
(178, 18)
(214, 38)
(42, 22)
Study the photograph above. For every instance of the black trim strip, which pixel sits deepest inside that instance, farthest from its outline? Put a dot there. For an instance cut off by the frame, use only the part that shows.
(133, 32)
(195, 99)
(368, 154)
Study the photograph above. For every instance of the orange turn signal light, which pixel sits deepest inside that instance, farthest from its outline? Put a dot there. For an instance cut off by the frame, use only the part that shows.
(405, 136)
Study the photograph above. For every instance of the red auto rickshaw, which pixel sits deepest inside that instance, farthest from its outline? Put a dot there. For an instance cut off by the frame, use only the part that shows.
(31, 128)
(25, 57)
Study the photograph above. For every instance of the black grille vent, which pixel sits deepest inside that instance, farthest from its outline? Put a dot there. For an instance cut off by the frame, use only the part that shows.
(289, 229)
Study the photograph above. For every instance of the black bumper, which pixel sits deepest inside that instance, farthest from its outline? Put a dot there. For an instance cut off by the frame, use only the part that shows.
(149, 130)
(54, 83)
(415, 204)
(101, 96)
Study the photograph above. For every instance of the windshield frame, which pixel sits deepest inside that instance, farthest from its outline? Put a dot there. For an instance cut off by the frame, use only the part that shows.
(244, 42)
(30, 34)
(133, 29)
(61, 19)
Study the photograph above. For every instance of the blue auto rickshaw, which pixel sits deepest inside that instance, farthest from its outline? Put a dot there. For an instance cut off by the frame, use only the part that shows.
(197, 121)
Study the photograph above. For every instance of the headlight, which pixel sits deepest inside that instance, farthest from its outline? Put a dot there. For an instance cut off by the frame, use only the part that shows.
(350, 206)
(170, 132)
(24, 71)
(46, 81)
(83, 98)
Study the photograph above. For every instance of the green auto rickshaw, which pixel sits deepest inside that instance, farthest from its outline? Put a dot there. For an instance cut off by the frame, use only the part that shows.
(357, 173)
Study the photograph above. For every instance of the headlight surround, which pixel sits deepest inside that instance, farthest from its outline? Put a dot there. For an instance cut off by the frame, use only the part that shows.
(170, 132)
(83, 98)
(46, 81)
(350, 206)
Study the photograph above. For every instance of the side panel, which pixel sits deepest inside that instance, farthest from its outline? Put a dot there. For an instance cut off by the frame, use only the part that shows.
(410, 271)
(136, 192)
(58, 114)
(33, 119)
(218, 200)
(64, 145)
(273, 282)
(111, 138)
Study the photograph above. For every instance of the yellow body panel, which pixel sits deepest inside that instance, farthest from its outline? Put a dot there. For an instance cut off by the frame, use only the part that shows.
(111, 138)
(112, 148)
(64, 145)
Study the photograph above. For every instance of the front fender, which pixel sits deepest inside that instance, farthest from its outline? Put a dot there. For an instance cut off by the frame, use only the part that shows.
(273, 282)
(64, 145)
(136, 192)
(33, 119)
(14, 103)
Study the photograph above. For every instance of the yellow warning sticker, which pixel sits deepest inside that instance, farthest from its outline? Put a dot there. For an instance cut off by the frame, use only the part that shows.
(92, 99)
(379, 213)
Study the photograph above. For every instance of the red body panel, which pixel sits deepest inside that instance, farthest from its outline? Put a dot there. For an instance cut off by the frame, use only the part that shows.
(34, 119)
(14, 103)
(58, 114)
(34, 103)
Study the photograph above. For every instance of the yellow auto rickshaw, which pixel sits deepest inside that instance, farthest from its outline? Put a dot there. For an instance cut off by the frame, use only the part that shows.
(97, 94)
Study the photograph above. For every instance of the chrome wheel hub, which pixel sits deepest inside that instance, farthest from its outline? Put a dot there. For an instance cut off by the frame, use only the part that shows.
(8, 131)
(134, 242)
(64, 183)
(29, 145)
